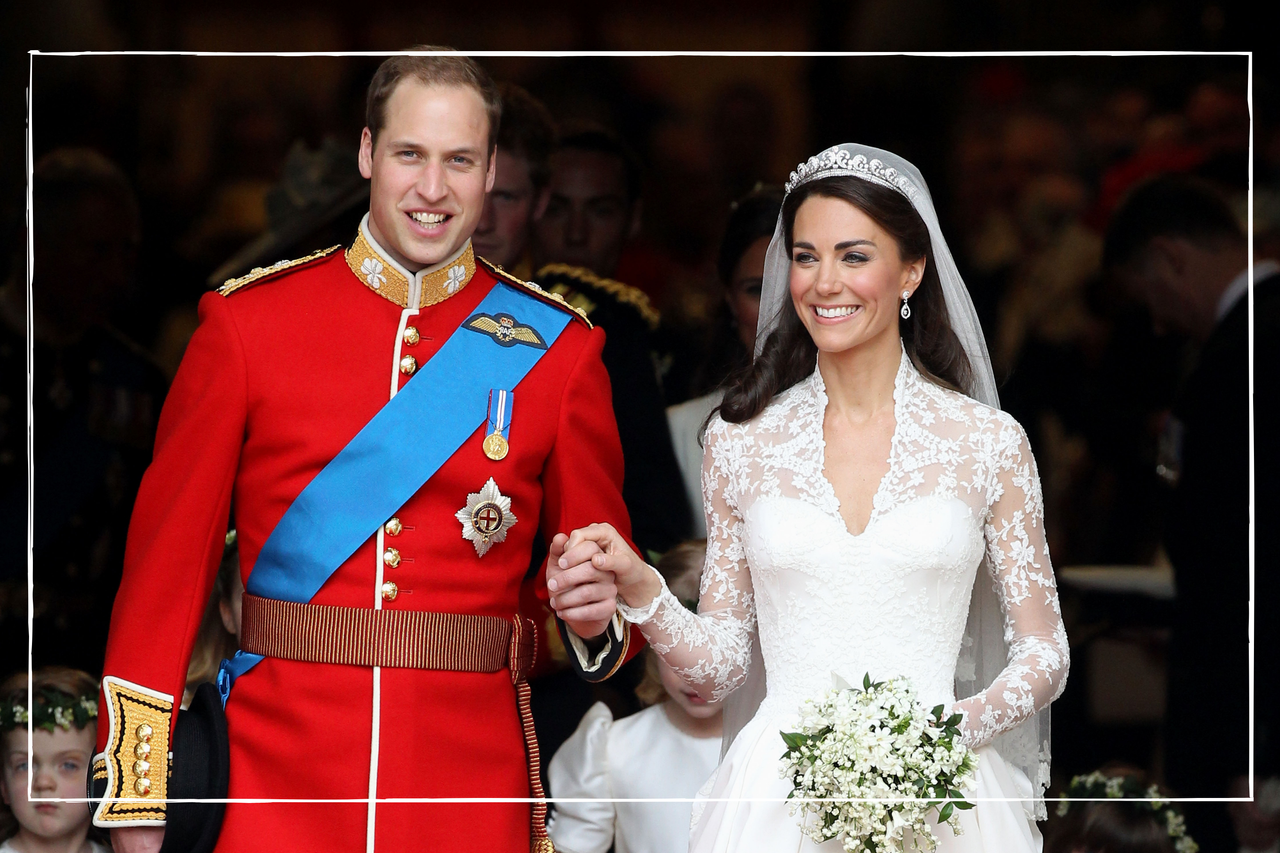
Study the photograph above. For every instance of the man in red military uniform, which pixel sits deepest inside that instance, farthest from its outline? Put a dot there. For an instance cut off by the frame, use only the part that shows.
(287, 380)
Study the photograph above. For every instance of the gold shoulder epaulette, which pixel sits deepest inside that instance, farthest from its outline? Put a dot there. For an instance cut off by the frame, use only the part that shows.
(633, 296)
(545, 295)
(258, 274)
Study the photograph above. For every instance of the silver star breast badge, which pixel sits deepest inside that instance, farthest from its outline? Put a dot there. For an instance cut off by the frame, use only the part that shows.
(486, 518)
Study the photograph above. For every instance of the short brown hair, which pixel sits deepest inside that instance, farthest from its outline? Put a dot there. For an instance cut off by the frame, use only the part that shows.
(528, 131)
(63, 679)
(443, 68)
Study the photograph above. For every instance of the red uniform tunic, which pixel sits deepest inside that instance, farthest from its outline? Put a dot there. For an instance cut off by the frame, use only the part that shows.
(278, 378)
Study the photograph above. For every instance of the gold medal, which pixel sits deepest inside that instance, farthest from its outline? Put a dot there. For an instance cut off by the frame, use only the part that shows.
(495, 446)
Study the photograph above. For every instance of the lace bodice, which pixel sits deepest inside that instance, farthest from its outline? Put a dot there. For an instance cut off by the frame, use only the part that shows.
(893, 600)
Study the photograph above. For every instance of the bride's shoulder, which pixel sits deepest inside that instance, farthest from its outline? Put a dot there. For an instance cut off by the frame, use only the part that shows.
(983, 423)
(776, 417)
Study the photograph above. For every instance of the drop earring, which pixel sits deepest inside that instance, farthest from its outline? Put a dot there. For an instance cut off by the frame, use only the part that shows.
(906, 309)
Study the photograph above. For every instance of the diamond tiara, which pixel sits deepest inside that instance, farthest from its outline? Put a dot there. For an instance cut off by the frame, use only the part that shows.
(837, 161)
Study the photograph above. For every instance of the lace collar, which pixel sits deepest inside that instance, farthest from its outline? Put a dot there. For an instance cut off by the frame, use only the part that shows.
(373, 265)
(904, 381)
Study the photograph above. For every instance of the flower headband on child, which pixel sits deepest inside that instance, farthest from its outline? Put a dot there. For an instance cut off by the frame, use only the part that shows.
(53, 709)
(1098, 785)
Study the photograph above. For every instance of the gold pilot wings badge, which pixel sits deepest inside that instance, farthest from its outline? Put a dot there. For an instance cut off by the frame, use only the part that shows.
(486, 518)
(506, 330)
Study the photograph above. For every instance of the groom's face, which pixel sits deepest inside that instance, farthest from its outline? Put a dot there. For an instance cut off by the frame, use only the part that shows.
(847, 277)
(429, 170)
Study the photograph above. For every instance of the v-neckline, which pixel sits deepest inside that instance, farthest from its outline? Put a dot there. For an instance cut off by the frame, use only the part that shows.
(820, 388)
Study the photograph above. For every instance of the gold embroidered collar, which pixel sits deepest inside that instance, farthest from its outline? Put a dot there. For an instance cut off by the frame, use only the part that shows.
(388, 279)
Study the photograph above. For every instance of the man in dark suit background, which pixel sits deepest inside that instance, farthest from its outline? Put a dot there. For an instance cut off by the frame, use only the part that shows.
(1176, 246)
(560, 214)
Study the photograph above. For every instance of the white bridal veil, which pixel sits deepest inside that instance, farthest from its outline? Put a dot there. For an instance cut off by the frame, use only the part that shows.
(983, 653)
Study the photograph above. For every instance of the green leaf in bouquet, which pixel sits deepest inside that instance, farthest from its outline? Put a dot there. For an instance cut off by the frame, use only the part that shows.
(963, 805)
(947, 811)
(794, 740)
(936, 713)
(954, 719)
(866, 681)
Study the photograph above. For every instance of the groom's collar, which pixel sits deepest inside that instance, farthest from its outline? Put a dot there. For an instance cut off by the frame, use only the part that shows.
(375, 267)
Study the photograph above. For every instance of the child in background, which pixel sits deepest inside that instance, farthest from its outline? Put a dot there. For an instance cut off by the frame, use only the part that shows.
(667, 750)
(64, 729)
(1135, 816)
(219, 635)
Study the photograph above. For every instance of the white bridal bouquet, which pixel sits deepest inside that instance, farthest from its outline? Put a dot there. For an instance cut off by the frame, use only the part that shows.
(870, 765)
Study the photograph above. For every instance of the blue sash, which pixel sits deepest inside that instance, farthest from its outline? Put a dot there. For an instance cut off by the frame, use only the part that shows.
(373, 476)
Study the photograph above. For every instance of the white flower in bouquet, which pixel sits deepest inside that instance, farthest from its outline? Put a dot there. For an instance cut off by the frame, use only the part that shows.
(870, 765)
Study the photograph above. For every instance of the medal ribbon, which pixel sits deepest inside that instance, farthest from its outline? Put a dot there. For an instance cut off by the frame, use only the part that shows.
(500, 405)
(372, 477)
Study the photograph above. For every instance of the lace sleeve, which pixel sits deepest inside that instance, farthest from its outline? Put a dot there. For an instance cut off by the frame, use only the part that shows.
(1018, 557)
(711, 649)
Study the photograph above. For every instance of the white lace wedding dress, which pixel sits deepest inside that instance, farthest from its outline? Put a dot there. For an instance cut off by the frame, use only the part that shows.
(891, 601)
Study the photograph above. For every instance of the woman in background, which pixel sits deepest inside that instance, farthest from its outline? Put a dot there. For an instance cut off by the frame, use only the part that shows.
(740, 268)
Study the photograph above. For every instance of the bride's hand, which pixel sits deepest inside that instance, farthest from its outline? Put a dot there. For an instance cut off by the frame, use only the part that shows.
(584, 597)
(607, 551)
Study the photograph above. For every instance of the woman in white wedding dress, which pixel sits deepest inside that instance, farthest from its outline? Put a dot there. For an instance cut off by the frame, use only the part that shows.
(869, 510)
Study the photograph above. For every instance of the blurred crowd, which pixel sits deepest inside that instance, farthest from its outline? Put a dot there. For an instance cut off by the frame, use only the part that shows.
(653, 218)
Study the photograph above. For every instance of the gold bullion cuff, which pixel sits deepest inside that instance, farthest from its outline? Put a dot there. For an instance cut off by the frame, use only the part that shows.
(136, 758)
(605, 662)
(98, 773)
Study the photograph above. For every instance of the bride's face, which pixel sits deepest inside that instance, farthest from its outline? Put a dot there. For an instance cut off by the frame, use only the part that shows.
(847, 276)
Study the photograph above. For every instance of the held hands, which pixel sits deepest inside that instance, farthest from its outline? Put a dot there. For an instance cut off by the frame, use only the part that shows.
(582, 596)
(594, 565)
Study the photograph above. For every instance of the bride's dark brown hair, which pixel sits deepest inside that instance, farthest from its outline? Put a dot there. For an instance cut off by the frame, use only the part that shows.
(789, 354)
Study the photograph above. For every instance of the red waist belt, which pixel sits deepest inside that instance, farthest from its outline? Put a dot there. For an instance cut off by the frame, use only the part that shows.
(416, 639)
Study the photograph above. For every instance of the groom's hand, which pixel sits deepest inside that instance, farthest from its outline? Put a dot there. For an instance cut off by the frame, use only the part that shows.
(137, 839)
(583, 596)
